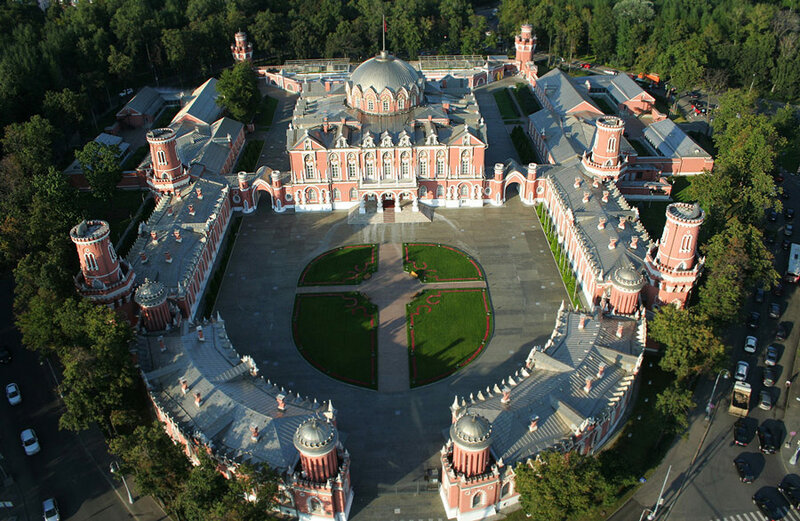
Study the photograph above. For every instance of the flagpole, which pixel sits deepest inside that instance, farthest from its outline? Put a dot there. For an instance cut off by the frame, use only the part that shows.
(384, 32)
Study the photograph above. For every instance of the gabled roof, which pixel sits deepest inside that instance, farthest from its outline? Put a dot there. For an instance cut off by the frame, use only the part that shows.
(671, 141)
(146, 102)
(201, 105)
(562, 94)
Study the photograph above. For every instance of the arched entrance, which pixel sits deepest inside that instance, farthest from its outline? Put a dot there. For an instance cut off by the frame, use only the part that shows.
(390, 202)
(512, 191)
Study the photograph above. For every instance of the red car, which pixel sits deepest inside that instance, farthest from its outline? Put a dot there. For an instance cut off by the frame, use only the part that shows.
(586, 65)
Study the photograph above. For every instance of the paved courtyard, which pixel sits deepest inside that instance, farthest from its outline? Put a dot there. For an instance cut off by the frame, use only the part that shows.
(393, 437)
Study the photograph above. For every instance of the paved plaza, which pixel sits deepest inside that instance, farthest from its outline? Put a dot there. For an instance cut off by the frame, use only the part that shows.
(393, 435)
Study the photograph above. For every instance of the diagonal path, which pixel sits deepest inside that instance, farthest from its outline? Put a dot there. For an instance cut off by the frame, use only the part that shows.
(390, 289)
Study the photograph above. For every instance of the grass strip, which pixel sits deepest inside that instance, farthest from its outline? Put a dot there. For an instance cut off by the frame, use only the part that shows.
(344, 265)
(562, 261)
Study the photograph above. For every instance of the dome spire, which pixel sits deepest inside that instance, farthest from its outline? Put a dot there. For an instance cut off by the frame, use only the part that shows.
(384, 37)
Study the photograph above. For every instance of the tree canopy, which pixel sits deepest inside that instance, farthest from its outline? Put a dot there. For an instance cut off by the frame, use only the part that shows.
(238, 91)
(101, 167)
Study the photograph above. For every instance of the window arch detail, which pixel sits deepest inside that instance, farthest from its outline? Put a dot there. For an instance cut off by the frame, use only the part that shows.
(90, 260)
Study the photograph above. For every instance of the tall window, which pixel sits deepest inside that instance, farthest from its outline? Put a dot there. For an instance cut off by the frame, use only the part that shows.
(370, 105)
(112, 253)
(386, 105)
(91, 261)
(309, 168)
(370, 167)
(612, 143)
(686, 243)
(335, 167)
(162, 157)
(387, 166)
(465, 162)
(401, 103)
(423, 191)
(439, 192)
(311, 196)
(440, 164)
(505, 490)
(352, 170)
(404, 165)
(353, 194)
(423, 164)
(336, 194)
(477, 500)
(463, 191)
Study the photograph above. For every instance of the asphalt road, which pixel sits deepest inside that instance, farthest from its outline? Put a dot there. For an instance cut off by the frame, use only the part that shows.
(72, 468)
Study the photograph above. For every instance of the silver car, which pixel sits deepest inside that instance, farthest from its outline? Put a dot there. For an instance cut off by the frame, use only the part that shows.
(13, 395)
(50, 508)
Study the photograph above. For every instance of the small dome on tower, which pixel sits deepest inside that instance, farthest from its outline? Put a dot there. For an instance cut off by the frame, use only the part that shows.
(472, 432)
(628, 278)
(315, 437)
(150, 294)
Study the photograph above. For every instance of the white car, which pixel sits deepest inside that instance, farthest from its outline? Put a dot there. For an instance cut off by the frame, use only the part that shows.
(750, 344)
(741, 371)
(50, 508)
(13, 394)
(30, 442)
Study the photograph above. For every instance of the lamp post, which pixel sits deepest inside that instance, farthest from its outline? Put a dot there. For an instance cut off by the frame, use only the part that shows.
(114, 468)
(651, 514)
(710, 407)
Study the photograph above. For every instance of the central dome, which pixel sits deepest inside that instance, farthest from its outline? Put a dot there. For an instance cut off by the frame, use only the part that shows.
(372, 79)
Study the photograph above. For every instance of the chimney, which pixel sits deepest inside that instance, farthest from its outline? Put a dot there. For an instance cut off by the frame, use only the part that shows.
(199, 192)
(596, 183)
(184, 386)
(534, 424)
(177, 234)
(162, 346)
(582, 323)
(612, 243)
(446, 107)
(498, 171)
(585, 197)
(619, 330)
(169, 210)
(153, 236)
(143, 257)
(168, 257)
(577, 182)
(198, 399)
(281, 399)
(506, 395)
(601, 223)
(191, 209)
(532, 169)
(634, 242)
(605, 196)
(200, 336)
(588, 386)
(254, 433)
(601, 370)
(622, 220)
(325, 126)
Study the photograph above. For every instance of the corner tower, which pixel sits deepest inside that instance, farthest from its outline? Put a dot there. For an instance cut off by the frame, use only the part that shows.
(168, 174)
(604, 160)
(242, 50)
(104, 277)
(673, 266)
(525, 45)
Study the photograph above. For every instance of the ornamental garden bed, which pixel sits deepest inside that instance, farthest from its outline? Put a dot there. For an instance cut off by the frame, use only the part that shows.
(338, 334)
(439, 263)
(344, 265)
(447, 330)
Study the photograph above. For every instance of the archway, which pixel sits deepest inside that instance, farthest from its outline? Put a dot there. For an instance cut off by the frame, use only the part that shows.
(512, 190)
(389, 201)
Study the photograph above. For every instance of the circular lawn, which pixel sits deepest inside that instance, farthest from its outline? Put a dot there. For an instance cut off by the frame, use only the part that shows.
(337, 334)
(440, 263)
(447, 329)
(344, 265)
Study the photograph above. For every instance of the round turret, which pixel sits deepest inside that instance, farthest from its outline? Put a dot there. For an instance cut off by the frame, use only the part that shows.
(315, 437)
(627, 279)
(150, 294)
(472, 432)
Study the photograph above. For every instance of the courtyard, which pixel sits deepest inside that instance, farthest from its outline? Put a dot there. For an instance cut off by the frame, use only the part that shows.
(393, 434)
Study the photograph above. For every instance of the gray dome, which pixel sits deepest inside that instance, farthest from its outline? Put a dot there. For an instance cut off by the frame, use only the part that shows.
(471, 432)
(686, 211)
(628, 278)
(150, 294)
(386, 71)
(315, 437)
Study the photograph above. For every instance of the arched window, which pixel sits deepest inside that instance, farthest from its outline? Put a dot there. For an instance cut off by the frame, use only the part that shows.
(465, 162)
(353, 194)
(439, 192)
(440, 164)
(405, 159)
(309, 167)
(612, 143)
(90, 260)
(335, 167)
(477, 500)
(423, 191)
(314, 505)
(463, 191)
(336, 195)
(112, 253)
(664, 235)
(387, 166)
(370, 167)
(423, 164)
(352, 167)
(162, 157)
(386, 105)
(370, 105)
(401, 103)
(686, 243)
(506, 490)
(311, 196)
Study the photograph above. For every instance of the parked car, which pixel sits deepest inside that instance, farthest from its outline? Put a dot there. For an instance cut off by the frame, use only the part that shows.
(5, 355)
(13, 395)
(788, 230)
(772, 215)
(29, 442)
(741, 434)
(750, 344)
(768, 376)
(774, 310)
(759, 296)
(744, 470)
(765, 400)
(782, 332)
(50, 508)
(790, 491)
(786, 244)
(766, 506)
(742, 368)
(771, 356)
(754, 320)
(788, 213)
(778, 177)
(766, 441)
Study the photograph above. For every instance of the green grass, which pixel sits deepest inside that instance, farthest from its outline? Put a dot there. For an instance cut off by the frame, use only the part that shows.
(249, 157)
(640, 148)
(344, 265)
(337, 334)
(505, 104)
(265, 113)
(603, 105)
(216, 279)
(526, 99)
(166, 116)
(134, 158)
(439, 263)
(578, 73)
(522, 143)
(653, 216)
(564, 268)
(679, 189)
(118, 211)
(447, 329)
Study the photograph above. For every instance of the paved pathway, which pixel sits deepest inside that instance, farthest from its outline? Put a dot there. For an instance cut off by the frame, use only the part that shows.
(501, 149)
(391, 289)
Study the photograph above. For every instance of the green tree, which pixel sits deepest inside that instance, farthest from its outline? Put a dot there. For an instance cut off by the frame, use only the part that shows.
(691, 347)
(602, 31)
(267, 31)
(675, 402)
(101, 167)
(238, 91)
(31, 143)
(66, 109)
(558, 487)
